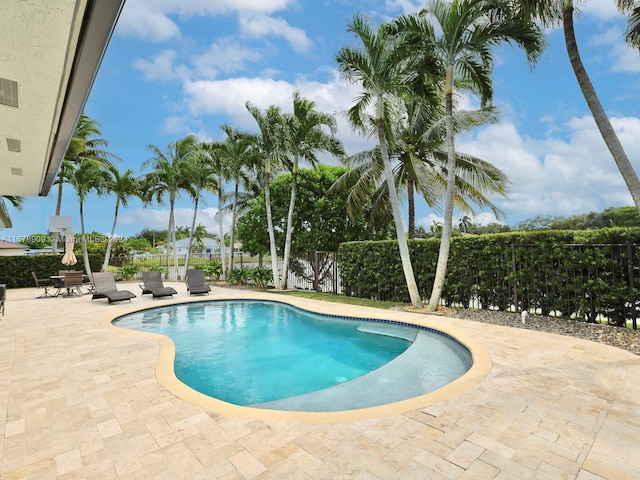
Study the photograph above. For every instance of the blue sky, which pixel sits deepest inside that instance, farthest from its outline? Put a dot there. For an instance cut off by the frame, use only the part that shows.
(179, 67)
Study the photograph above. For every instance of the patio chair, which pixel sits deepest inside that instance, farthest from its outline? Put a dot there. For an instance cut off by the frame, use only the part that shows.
(3, 295)
(196, 283)
(153, 285)
(44, 283)
(72, 281)
(105, 287)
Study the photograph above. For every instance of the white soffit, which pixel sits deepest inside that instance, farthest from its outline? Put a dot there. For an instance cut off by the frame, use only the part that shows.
(50, 51)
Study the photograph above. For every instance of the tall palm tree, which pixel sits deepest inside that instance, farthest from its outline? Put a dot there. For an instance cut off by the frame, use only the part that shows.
(124, 186)
(86, 144)
(421, 159)
(632, 9)
(86, 177)
(16, 202)
(383, 78)
(554, 12)
(199, 234)
(239, 150)
(273, 151)
(468, 31)
(199, 170)
(168, 178)
(308, 133)
(219, 164)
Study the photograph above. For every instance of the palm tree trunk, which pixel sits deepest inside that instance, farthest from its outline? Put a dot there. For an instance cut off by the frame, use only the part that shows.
(232, 235)
(107, 255)
(193, 226)
(85, 252)
(169, 232)
(412, 207)
(599, 115)
(272, 237)
(410, 278)
(221, 232)
(54, 248)
(445, 239)
(287, 242)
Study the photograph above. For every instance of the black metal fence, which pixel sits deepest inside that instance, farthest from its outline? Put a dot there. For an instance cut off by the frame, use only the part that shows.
(593, 283)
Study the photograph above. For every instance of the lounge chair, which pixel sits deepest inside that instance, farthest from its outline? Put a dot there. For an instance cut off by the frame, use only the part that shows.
(196, 283)
(153, 285)
(43, 283)
(105, 287)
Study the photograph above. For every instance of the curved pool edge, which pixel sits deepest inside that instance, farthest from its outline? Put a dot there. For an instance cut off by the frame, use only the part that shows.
(166, 377)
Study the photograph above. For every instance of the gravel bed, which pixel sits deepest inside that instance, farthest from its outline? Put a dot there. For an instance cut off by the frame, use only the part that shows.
(623, 338)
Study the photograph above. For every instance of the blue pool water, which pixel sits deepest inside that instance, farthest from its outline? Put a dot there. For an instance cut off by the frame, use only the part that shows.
(250, 352)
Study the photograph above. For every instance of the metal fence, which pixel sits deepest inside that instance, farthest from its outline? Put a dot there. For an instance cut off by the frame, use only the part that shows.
(593, 283)
(316, 271)
(586, 282)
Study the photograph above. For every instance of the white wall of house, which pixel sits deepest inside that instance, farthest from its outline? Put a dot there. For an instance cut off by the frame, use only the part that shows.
(10, 249)
(211, 247)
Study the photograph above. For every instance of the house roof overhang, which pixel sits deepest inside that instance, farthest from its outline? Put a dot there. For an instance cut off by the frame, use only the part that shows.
(50, 52)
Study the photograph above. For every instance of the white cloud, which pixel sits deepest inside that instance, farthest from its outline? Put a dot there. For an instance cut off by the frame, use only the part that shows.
(158, 218)
(225, 55)
(621, 57)
(161, 67)
(146, 23)
(406, 6)
(228, 97)
(149, 19)
(600, 9)
(560, 175)
(259, 26)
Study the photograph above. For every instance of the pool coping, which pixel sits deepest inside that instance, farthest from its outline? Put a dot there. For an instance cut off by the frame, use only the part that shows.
(165, 374)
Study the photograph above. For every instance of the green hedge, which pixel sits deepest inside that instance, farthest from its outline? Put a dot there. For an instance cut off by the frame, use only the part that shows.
(15, 271)
(586, 273)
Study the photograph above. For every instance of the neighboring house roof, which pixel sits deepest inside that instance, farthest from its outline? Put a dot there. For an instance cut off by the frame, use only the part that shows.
(12, 246)
(207, 242)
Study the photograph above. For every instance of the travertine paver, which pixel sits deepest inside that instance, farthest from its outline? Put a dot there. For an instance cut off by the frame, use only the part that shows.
(80, 400)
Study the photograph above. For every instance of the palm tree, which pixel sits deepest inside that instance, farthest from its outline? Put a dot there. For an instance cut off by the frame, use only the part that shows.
(220, 174)
(167, 178)
(199, 170)
(306, 137)
(241, 158)
(436, 228)
(124, 186)
(86, 144)
(465, 223)
(421, 159)
(554, 12)
(469, 29)
(375, 65)
(199, 233)
(272, 149)
(85, 177)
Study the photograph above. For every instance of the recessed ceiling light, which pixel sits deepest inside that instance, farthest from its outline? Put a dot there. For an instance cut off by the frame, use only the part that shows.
(16, 171)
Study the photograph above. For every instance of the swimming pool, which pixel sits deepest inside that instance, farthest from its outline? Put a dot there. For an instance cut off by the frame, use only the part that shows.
(272, 355)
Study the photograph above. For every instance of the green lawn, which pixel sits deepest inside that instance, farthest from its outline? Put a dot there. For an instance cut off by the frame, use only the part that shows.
(330, 297)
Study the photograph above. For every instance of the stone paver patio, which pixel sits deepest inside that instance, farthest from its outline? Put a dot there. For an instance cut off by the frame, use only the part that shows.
(81, 400)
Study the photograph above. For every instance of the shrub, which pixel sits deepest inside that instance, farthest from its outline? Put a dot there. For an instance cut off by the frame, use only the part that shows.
(127, 272)
(260, 276)
(212, 269)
